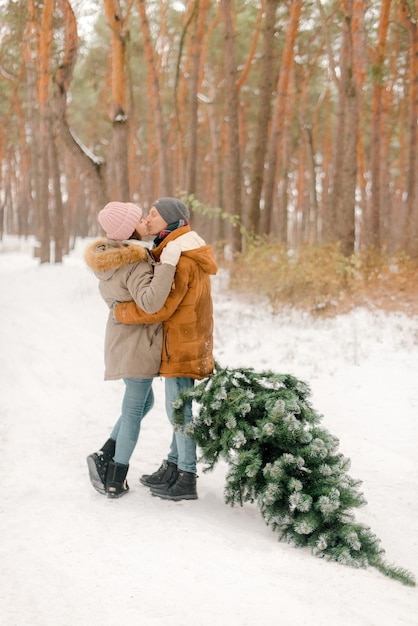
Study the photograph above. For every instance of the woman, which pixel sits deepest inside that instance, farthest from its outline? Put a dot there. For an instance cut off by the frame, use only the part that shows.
(127, 272)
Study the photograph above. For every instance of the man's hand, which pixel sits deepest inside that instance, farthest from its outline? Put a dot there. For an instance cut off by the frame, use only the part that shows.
(171, 253)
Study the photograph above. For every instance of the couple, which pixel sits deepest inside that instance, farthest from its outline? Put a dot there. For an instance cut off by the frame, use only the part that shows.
(160, 323)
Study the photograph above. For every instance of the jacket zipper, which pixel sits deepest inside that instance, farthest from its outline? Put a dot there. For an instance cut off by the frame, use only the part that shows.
(166, 347)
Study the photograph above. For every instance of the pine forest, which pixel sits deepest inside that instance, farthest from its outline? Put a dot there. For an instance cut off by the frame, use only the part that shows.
(281, 121)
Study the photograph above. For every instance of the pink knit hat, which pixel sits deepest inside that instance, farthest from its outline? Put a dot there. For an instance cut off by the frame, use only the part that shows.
(119, 219)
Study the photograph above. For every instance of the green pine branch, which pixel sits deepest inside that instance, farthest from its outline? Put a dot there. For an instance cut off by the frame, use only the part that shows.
(280, 457)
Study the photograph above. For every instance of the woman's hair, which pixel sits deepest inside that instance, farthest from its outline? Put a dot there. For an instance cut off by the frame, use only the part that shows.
(136, 235)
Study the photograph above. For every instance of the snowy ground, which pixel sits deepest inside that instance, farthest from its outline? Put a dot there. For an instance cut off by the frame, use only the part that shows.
(70, 557)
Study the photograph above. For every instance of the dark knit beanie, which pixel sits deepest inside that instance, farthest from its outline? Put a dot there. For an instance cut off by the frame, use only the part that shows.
(172, 210)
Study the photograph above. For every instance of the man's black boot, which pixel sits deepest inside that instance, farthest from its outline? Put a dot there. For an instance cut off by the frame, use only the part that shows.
(165, 474)
(116, 485)
(97, 464)
(183, 489)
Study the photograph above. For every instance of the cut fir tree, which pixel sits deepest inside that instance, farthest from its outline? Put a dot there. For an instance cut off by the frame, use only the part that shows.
(280, 457)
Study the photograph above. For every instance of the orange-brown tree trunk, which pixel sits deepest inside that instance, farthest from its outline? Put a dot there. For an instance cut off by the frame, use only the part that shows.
(118, 170)
(164, 183)
(44, 81)
(194, 80)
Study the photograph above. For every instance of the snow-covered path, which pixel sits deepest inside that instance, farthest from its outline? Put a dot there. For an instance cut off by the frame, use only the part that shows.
(70, 557)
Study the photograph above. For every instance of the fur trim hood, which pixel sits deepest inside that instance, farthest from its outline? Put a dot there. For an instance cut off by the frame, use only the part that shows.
(105, 256)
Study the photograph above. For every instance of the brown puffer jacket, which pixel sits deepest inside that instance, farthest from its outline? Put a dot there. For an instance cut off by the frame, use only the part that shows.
(125, 272)
(187, 314)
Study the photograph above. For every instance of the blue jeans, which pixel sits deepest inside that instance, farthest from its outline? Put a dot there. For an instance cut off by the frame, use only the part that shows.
(183, 448)
(137, 401)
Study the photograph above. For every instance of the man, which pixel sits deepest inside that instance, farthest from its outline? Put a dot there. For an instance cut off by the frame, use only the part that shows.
(187, 337)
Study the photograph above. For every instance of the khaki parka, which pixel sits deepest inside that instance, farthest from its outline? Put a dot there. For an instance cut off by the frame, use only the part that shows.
(126, 271)
(187, 313)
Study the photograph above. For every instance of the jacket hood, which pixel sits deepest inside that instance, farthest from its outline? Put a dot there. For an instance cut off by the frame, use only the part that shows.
(204, 258)
(105, 256)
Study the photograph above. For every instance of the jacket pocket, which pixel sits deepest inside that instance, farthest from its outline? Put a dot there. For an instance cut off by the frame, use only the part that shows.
(154, 335)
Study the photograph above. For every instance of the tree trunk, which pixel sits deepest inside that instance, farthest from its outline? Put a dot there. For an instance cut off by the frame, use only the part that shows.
(307, 174)
(91, 166)
(25, 215)
(29, 59)
(44, 80)
(266, 83)
(119, 178)
(164, 184)
(233, 174)
(411, 230)
(279, 114)
(194, 82)
(346, 205)
(58, 224)
(373, 223)
(360, 73)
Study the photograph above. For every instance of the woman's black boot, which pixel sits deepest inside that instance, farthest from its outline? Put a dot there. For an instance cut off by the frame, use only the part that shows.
(98, 462)
(116, 485)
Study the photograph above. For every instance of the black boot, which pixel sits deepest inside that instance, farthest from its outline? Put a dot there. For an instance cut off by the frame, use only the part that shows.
(183, 489)
(116, 485)
(98, 463)
(165, 474)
